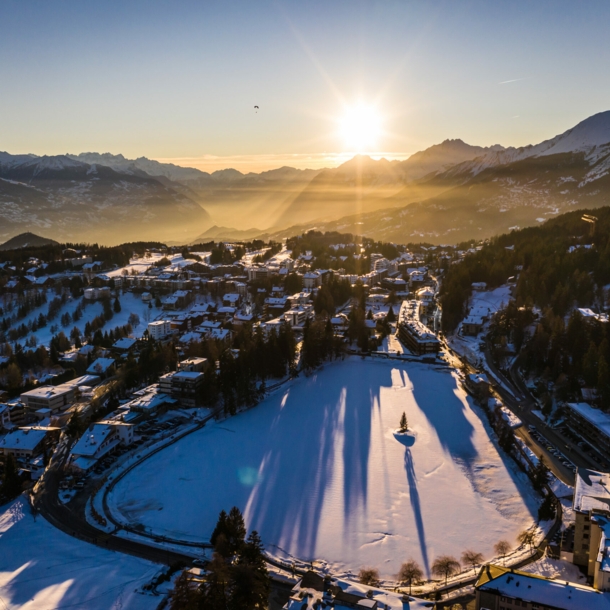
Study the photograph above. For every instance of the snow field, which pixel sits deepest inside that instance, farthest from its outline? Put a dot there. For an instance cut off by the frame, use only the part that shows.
(317, 471)
(41, 568)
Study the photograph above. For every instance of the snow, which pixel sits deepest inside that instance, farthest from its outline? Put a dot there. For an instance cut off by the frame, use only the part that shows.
(593, 131)
(41, 568)
(317, 471)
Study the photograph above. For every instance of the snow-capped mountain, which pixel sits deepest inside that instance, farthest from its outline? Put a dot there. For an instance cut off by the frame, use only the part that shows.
(591, 136)
(494, 192)
(79, 201)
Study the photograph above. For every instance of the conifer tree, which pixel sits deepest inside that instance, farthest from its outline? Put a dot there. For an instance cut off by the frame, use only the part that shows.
(404, 425)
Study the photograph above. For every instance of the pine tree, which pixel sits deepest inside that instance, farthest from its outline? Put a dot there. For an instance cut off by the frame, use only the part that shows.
(547, 509)
(11, 485)
(391, 317)
(250, 583)
(404, 425)
(117, 305)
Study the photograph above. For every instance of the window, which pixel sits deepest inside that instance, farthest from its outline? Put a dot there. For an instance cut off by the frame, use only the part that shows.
(585, 535)
(585, 547)
(587, 527)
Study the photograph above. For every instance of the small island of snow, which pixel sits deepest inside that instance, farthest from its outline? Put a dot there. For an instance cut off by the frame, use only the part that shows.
(407, 438)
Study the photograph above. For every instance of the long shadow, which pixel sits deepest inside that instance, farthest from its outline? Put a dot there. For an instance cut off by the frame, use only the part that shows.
(445, 412)
(286, 503)
(518, 477)
(357, 444)
(416, 506)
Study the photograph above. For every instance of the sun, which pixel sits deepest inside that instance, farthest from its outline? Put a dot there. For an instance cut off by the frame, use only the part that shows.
(360, 128)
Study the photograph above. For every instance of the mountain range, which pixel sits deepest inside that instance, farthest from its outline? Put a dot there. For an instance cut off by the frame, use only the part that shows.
(449, 192)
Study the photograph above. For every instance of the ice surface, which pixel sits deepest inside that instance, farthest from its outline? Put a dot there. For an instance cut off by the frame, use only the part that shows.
(317, 471)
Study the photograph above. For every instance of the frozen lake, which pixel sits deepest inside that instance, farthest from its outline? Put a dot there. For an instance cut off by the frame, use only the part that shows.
(317, 471)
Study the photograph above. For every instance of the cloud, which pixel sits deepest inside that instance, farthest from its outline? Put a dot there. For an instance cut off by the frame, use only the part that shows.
(514, 80)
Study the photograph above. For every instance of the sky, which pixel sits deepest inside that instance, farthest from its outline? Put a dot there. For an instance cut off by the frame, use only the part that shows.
(178, 81)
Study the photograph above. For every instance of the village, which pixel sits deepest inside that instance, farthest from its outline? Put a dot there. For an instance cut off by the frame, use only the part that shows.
(71, 409)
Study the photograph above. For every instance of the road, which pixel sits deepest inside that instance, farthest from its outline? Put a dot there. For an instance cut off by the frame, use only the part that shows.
(522, 403)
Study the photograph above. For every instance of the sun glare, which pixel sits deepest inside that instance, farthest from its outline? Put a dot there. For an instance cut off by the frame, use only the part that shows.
(360, 128)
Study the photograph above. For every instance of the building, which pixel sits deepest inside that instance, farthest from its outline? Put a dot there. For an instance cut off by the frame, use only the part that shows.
(193, 365)
(52, 398)
(92, 294)
(299, 314)
(590, 424)
(472, 325)
(24, 444)
(258, 272)
(178, 300)
(413, 333)
(478, 385)
(184, 386)
(101, 367)
(501, 588)
(591, 498)
(187, 388)
(5, 416)
(99, 439)
(314, 591)
(312, 279)
(159, 329)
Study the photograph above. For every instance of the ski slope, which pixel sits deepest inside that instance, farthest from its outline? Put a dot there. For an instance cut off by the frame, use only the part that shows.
(317, 471)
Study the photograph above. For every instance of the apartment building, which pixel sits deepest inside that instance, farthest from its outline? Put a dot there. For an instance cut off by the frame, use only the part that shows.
(413, 333)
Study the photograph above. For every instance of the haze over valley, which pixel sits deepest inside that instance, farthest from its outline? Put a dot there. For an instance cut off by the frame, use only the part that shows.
(449, 192)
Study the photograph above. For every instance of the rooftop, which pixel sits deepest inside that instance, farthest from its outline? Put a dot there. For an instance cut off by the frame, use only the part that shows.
(596, 417)
(24, 440)
(592, 490)
(540, 589)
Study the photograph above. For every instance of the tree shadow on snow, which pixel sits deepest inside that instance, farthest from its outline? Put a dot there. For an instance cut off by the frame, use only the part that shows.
(445, 412)
(416, 506)
(286, 503)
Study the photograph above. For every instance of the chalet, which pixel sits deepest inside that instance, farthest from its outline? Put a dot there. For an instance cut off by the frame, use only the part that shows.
(24, 444)
(102, 367)
(99, 439)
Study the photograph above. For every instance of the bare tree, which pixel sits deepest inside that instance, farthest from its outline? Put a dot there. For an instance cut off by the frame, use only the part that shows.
(409, 572)
(501, 548)
(527, 537)
(369, 576)
(446, 566)
(472, 558)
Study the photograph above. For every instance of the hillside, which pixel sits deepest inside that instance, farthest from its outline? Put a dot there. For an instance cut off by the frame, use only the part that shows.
(27, 240)
(78, 201)
(363, 185)
(558, 265)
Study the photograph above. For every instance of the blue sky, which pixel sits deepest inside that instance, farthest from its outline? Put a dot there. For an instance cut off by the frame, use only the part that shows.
(179, 80)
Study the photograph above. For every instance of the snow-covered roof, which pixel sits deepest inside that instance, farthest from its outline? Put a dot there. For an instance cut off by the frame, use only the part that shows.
(592, 490)
(90, 441)
(48, 391)
(596, 417)
(101, 365)
(540, 589)
(22, 440)
(124, 343)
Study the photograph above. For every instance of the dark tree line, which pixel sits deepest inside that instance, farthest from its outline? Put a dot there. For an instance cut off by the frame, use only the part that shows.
(549, 274)
(236, 577)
